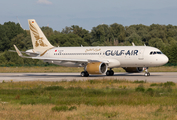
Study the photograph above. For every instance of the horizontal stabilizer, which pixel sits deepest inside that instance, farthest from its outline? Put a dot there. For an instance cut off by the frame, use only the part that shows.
(19, 52)
(36, 54)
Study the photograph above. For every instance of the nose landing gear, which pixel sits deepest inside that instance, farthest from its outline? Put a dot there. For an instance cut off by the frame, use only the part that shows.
(146, 72)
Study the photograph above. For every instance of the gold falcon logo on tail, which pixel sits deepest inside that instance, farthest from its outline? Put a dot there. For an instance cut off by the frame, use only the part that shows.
(39, 40)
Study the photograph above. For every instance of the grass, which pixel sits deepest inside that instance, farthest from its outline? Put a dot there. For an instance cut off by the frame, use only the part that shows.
(122, 112)
(91, 99)
(73, 69)
(63, 108)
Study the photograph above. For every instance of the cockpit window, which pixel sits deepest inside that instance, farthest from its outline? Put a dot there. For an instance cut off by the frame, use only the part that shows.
(159, 52)
(155, 52)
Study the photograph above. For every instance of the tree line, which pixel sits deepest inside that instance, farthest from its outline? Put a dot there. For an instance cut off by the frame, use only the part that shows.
(163, 37)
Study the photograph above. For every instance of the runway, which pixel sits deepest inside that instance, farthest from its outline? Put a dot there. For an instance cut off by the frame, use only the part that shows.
(155, 77)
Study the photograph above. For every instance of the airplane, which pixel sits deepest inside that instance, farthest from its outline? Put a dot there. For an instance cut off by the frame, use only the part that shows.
(95, 59)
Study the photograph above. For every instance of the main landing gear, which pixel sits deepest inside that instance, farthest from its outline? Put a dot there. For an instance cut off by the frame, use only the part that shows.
(110, 72)
(84, 74)
(146, 72)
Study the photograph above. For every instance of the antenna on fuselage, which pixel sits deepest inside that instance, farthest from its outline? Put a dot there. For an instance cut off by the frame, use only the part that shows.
(133, 44)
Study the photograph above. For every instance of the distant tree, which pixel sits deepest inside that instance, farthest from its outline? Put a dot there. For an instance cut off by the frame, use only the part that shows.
(66, 30)
(83, 33)
(135, 38)
(157, 42)
(7, 32)
(101, 34)
(47, 31)
(117, 32)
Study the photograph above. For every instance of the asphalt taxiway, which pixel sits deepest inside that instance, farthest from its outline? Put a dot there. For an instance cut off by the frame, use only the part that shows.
(155, 77)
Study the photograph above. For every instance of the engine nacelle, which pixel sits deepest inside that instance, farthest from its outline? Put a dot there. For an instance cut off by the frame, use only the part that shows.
(133, 69)
(96, 68)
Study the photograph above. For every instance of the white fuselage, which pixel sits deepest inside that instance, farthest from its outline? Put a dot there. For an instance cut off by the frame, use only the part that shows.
(116, 56)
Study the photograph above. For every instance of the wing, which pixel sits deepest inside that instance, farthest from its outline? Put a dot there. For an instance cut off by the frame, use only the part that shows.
(61, 59)
(70, 60)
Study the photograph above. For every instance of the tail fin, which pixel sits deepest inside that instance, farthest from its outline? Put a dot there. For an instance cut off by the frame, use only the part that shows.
(39, 40)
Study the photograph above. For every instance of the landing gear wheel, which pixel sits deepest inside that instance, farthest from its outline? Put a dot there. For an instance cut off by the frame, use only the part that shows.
(84, 74)
(147, 74)
(107, 72)
(110, 73)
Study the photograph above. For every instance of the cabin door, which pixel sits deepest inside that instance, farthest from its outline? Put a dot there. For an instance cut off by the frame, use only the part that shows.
(141, 54)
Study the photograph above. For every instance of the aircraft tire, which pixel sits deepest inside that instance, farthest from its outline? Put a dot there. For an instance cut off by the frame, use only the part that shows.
(110, 73)
(147, 74)
(84, 74)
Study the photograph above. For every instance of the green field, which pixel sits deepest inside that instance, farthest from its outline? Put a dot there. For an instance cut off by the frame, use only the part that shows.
(92, 99)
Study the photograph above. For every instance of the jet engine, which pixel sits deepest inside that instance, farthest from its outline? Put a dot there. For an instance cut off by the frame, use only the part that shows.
(133, 69)
(96, 68)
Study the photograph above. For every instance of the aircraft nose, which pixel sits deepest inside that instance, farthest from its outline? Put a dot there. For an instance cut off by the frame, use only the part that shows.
(165, 59)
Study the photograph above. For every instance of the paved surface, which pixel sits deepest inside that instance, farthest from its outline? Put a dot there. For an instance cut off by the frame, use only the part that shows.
(155, 76)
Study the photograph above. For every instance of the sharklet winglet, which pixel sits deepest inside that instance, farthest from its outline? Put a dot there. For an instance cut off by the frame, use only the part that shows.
(18, 51)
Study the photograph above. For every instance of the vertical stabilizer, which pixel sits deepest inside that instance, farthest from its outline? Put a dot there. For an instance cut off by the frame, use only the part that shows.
(39, 40)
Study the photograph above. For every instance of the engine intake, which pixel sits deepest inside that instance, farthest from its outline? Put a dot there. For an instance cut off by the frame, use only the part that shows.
(133, 69)
(96, 68)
